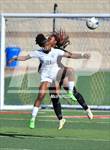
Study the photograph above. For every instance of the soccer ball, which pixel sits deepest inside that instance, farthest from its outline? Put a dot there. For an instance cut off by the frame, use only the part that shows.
(92, 23)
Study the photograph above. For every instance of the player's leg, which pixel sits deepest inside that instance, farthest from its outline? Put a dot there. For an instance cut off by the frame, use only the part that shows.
(71, 82)
(56, 106)
(82, 102)
(62, 74)
(78, 96)
(80, 99)
(55, 101)
(42, 91)
(68, 72)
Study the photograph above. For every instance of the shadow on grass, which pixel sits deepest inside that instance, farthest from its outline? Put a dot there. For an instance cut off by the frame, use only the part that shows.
(22, 136)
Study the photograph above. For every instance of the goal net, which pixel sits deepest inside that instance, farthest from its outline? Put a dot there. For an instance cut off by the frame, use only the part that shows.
(19, 84)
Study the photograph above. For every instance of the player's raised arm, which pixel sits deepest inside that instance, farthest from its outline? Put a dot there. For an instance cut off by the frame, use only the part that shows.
(76, 55)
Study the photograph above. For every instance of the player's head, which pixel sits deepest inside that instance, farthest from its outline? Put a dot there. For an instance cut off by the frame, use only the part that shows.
(52, 39)
(40, 40)
(43, 42)
(61, 37)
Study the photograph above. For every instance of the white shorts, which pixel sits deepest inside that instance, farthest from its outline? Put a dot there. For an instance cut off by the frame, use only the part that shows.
(49, 76)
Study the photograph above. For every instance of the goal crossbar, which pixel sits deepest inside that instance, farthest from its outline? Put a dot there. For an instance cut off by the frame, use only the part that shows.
(56, 15)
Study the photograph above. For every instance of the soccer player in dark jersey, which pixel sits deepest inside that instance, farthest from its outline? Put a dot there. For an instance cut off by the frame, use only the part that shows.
(61, 44)
(65, 71)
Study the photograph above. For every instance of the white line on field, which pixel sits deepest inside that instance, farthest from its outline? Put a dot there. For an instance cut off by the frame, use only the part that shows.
(13, 149)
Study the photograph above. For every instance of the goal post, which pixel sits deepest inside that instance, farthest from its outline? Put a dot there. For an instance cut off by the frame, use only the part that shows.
(2, 62)
(20, 29)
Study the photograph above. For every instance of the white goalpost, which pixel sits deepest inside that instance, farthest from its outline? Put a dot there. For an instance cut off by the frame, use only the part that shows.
(20, 28)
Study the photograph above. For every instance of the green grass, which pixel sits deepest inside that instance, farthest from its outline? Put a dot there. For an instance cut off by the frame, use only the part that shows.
(77, 134)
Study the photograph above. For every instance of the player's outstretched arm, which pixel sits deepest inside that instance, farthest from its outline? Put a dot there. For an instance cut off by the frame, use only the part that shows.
(77, 55)
(19, 58)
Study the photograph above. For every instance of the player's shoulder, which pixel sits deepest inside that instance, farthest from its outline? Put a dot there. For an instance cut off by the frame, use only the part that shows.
(38, 50)
(35, 53)
(57, 49)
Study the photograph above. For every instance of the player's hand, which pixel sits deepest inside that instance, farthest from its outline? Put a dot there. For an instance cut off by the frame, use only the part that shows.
(86, 56)
(11, 60)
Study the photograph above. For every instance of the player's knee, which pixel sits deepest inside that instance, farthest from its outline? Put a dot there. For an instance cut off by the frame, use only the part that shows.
(70, 70)
(41, 96)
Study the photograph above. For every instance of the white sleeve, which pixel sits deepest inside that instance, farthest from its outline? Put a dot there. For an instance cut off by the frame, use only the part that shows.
(60, 52)
(34, 54)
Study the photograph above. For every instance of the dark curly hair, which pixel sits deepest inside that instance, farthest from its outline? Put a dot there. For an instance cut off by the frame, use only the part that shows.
(40, 39)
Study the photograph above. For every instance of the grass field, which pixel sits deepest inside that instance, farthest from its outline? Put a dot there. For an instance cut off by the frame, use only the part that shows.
(79, 133)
